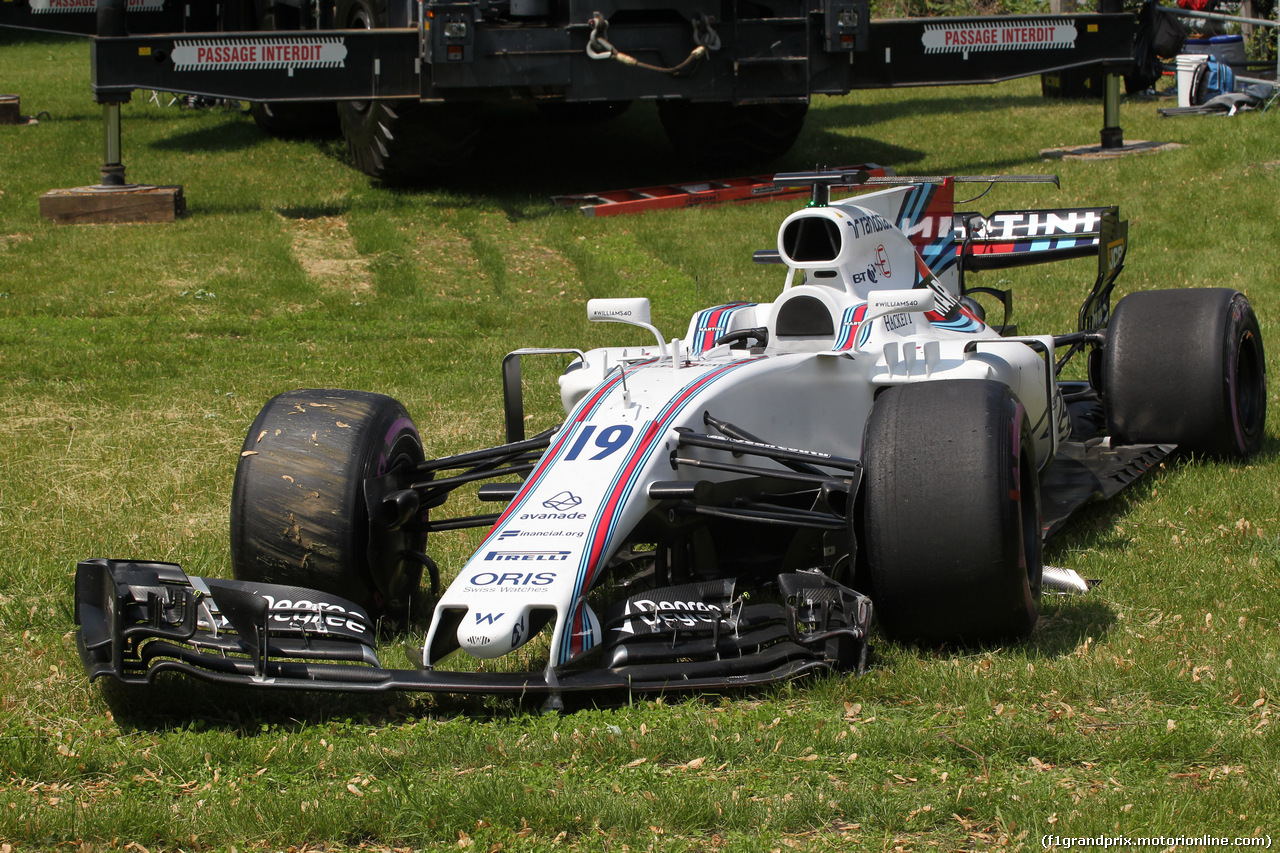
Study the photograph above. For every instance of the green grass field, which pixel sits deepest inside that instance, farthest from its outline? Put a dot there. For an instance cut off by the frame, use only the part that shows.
(135, 357)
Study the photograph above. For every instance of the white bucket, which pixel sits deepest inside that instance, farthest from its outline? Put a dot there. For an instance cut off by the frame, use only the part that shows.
(1186, 65)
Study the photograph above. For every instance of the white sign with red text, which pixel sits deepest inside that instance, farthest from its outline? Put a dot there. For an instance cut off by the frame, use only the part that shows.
(1023, 35)
(252, 53)
(45, 7)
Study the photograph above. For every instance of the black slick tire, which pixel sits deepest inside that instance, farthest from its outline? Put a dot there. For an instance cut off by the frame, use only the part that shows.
(298, 513)
(1186, 367)
(722, 134)
(952, 513)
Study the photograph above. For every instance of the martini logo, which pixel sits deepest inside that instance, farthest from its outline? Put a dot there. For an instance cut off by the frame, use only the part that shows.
(45, 7)
(1030, 35)
(248, 54)
(1029, 224)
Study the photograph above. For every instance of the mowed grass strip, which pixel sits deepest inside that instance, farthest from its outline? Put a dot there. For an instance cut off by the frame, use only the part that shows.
(135, 358)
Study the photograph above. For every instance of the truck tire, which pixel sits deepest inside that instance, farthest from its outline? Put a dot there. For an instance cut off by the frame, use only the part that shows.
(952, 513)
(298, 513)
(296, 119)
(402, 142)
(583, 111)
(292, 119)
(1186, 367)
(723, 134)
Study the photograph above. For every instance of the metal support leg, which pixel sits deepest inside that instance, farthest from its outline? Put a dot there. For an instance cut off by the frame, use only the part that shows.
(112, 200)
(1112, 135)
(112, 166)
(111, 24)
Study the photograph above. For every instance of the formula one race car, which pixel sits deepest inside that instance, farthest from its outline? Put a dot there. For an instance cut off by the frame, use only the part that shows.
(721, 509)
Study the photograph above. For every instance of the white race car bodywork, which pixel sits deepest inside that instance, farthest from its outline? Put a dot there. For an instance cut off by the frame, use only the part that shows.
(869, 314)
(718, 510)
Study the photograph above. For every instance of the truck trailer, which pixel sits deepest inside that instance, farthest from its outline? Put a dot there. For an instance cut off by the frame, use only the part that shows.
(407, 80)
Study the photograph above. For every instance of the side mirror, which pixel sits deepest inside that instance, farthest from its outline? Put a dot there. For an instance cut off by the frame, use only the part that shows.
(632, 311)
(882, 302)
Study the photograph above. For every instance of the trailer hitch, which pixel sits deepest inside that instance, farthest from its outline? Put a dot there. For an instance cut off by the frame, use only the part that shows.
(598, 47)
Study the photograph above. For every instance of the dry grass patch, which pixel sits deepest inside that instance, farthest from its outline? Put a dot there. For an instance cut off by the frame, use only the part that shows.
(541, 267)
(444, 255)
(325, 250)
(456, 256)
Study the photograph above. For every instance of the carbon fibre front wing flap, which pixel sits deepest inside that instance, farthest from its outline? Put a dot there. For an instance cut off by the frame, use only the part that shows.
(137, 620)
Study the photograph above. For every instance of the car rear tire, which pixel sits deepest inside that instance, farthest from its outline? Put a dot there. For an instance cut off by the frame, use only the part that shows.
(952, 513)
(1186, 367)
(298, 512)
(722, 134)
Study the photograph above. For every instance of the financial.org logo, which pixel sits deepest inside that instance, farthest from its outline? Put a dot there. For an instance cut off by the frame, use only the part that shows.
(562, 502)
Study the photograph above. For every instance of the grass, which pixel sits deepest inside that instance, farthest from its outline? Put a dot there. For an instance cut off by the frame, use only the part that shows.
(135, 357)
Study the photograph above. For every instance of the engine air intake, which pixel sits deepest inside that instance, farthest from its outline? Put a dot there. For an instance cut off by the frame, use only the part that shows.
(811, 239)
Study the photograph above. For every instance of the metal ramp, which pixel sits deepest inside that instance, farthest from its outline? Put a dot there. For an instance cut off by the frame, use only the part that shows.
(692, 194)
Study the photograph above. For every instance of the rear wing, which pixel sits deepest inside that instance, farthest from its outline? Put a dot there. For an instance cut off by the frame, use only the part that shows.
(1015, 238)
(952, 243)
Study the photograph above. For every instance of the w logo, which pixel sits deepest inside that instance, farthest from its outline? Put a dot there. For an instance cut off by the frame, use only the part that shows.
(487, 618)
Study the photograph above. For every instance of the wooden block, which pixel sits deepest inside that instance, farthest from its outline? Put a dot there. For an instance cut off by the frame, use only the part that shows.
(9, 109)
(92, 205)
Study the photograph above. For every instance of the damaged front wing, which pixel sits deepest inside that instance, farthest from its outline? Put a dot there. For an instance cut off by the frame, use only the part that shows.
(137, 620)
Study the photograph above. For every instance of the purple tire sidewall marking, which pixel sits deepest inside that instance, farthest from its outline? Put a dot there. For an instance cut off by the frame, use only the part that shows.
(399, 425)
